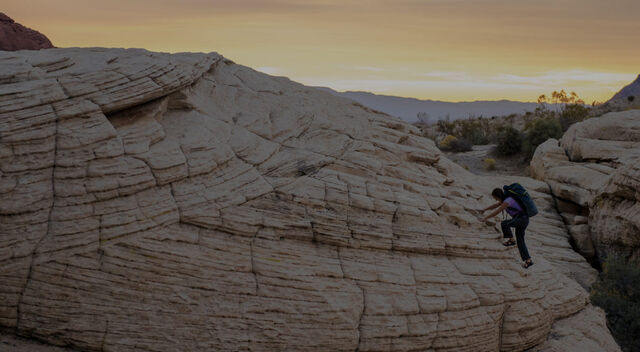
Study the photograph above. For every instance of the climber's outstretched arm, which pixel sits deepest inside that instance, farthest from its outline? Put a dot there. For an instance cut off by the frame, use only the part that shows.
(501, 207)
(492, 206)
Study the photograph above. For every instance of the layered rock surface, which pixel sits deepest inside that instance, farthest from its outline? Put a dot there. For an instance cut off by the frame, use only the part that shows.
(183, 202)
(14, 36)
(594, 175)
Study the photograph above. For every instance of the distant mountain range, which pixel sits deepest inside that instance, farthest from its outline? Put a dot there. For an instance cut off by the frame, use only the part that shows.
(408, 108)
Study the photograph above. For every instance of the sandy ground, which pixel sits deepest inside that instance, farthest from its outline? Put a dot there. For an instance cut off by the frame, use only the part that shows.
(474, 161)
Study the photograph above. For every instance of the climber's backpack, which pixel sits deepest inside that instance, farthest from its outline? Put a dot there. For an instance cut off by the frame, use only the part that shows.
(517, 192)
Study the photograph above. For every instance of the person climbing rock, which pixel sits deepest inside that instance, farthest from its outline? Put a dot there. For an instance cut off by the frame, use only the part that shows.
(519, 220)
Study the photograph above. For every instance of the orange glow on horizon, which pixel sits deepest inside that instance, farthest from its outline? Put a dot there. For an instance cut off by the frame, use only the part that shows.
(431, 49)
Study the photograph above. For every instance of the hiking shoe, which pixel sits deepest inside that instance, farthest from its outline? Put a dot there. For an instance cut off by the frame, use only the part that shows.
(509, 243)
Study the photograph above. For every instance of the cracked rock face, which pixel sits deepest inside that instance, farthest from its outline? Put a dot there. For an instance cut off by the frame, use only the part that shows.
(593, 173)
(183, 202)
(615, 215)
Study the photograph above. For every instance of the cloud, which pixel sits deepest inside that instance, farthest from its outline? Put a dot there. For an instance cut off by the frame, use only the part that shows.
(447, 75)
(369, 68)
(274, 71)
(566, 77)
(558, 79)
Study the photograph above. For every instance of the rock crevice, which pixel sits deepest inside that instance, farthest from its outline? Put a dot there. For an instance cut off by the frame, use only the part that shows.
(591, 172)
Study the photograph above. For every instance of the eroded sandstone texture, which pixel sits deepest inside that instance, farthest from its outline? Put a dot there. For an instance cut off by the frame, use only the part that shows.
(594, 173)
(183, 202)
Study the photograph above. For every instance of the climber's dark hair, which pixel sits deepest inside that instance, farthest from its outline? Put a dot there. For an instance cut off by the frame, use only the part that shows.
(498, 193)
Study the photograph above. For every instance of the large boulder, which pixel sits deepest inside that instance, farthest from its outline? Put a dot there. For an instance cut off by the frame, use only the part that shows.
(183, 202)
(14, 36)
(569, 181)
(591, 173)
(612, 139)
(615, 214)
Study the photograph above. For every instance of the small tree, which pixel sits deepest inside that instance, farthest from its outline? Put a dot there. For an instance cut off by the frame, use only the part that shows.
(538, 131)
(562, 97)
(509, 141)
(573, 108)
(541, 111)
(571, 114)
(446, 127)
(475, 131)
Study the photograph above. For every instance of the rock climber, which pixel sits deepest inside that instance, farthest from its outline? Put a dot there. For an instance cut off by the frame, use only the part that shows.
(519, 220)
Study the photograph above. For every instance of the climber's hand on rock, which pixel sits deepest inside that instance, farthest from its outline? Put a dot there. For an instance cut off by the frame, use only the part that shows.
(489, 221)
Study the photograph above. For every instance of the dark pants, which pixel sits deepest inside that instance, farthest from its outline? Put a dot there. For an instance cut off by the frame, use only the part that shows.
(520, 222)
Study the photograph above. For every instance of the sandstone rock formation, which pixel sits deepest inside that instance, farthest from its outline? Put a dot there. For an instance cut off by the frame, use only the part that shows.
(615, 215)
(183, 202)
(628, 95)
(14, 36)
(593, 174)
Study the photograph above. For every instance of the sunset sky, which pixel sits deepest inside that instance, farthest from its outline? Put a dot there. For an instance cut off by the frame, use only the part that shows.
(454, 50)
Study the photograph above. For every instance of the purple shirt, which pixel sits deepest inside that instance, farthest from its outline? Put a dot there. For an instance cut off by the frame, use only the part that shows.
(513, 208)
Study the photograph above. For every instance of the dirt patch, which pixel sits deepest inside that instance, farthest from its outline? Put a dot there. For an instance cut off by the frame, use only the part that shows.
(474, 161)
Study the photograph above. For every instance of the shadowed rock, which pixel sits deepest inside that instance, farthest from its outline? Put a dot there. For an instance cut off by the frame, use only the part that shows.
(593, 172)
(14, 36)
(628, 95)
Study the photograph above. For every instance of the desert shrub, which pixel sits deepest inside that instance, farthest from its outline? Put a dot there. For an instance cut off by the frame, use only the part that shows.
(460, 145)
(618, 292)
(446, 126)
(476, 131)
(538, 131)
(445, 143)
(571, 114)
(429, 133)
(573, 108)
(489, 163)
(509, 141)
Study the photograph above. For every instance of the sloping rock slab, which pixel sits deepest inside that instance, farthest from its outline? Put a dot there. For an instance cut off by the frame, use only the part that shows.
(183, 202)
